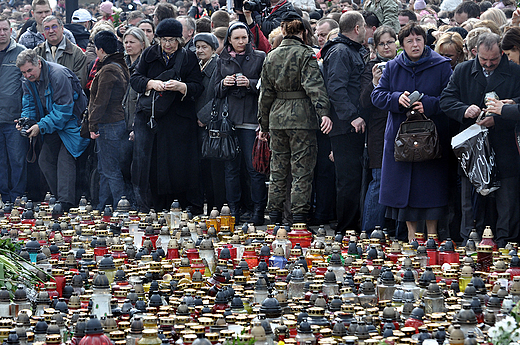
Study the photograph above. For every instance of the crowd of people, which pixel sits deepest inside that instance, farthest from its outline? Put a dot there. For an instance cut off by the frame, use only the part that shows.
(116, 103)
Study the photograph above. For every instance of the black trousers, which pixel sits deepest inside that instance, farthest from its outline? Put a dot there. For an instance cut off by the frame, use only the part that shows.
(507, 200)
(324, 181)
(348, 150)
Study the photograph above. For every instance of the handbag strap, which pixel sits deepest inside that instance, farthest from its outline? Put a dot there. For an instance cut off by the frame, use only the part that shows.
(153, 105)
(32, 147)
(415, 115)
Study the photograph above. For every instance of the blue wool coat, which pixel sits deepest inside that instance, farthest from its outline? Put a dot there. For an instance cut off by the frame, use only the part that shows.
(424, 184)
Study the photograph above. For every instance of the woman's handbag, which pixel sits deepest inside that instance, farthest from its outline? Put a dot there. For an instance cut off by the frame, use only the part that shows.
(261, 155)
(417, 139)
(220, 140)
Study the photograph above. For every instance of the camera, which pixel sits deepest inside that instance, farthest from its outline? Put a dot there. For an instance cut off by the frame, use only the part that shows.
(25, 123)
(254, 5)
(381, 66)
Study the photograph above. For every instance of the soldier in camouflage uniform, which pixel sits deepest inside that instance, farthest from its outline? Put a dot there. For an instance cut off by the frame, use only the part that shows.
(293, 104)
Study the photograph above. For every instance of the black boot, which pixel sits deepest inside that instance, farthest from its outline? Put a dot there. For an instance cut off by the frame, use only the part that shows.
(275, 217)
(299, 218)
(258, 216)
(235, 212)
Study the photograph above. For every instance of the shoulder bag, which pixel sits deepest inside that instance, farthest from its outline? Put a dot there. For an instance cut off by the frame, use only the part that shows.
(220, 140)
(417, 139)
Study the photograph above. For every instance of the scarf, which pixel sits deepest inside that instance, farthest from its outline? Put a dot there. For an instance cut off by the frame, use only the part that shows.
(383, 59)
(167, 57)
(424, 57)
(92, 73)
(234, 53)
(202, 66)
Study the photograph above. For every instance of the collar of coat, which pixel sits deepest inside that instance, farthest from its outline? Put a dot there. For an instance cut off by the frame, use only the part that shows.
(44, 74)
(434, 60)
(500, 74)
(341, 39)
(155, 53)
(69, 49)
(226, 56)
(287, 40)
(117, 57)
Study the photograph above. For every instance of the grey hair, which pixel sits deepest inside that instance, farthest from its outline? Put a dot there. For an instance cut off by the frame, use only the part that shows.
(51, 17)
(28, 55)
(138, 34)
(190, 22)
(488, 39)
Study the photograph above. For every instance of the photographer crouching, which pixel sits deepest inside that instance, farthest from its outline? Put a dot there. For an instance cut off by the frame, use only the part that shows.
(262, 17)
(53, 101)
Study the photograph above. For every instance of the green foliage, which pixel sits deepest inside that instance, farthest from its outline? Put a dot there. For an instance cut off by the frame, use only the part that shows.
(7, 244)
(14, 269)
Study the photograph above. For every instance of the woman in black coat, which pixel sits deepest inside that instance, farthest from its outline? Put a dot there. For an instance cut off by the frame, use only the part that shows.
(237, 74)
(386, 49)
(212, 171)
(165, 165)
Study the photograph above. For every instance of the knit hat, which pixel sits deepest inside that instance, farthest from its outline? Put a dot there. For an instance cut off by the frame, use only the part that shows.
(107, 41)
(169, 27)
(106, 7)
(208, 38)
(419, 5)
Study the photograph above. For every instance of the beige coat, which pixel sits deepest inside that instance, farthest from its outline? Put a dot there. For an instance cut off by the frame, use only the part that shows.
(72, 57)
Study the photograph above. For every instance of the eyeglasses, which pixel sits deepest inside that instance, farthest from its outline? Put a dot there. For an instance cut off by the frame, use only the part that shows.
(53, 27)
(167, 40)
(384, 44)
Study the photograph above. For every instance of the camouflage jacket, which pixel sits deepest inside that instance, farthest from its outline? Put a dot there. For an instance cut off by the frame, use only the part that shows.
(292, 92)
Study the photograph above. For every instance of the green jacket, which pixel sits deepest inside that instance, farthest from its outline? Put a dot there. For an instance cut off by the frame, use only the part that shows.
(386, 11)
(292, 91)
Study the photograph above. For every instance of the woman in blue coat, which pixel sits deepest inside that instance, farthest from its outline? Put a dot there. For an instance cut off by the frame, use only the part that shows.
(414, 191)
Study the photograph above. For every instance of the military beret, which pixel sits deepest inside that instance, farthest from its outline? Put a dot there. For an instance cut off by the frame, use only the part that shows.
(289, 16)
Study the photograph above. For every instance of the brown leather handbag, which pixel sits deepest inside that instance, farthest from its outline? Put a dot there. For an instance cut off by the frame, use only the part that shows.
(417, 139)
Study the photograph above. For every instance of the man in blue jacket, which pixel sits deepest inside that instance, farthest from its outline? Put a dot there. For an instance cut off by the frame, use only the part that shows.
(53, 97)
(13, 147)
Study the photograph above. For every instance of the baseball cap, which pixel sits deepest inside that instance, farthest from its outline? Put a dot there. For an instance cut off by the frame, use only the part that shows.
(81, 16)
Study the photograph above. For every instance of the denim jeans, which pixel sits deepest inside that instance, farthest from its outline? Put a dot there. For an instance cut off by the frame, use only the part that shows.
(13, 151)
(373, 211)
(110, 144)
(246, 138)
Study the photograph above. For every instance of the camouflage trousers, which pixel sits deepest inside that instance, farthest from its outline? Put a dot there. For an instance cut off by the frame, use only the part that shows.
(293, 152)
